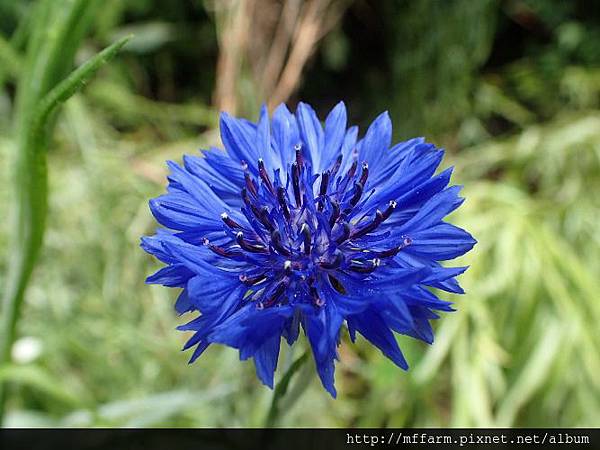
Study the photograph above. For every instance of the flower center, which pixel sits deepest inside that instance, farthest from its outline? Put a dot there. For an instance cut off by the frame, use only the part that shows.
(304, 234)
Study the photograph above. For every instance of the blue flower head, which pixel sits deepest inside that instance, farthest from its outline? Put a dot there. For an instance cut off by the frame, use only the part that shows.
(301, 225)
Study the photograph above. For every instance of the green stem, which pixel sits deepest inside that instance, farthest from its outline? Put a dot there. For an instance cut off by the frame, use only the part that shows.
(281, 389)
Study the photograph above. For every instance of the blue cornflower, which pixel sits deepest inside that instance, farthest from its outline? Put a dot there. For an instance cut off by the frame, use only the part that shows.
(300, 225)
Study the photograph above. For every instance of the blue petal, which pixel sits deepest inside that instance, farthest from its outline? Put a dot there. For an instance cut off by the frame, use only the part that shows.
(195, 259)
(394, 157)
(441, 242)
(183, 303)
(239, 139)
(398, 278)
(311, 132)
(171, 276)
(154, 245)
(200, 193)
(224, 176)
(178, 211)
(420, 296)
(440, 273)
(414, 171)
(374, 147)
(215, 293)
(198, 351)
(285, 135)
(263, 142)
(439, 206)
(396, 313)
(374, 329)
(323, 330)
(265, 360)
(240, 330)
(335, 132)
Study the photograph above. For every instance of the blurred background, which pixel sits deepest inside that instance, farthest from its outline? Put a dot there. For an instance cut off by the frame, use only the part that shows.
(511, 88)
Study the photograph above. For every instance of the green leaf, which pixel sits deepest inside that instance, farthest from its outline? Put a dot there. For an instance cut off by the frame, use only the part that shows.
(72, 84)
(31, 190)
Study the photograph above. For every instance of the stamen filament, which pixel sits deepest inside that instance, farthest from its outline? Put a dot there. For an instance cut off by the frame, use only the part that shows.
(305, 231)
(296, 183)
(248, 246)
(265, 176)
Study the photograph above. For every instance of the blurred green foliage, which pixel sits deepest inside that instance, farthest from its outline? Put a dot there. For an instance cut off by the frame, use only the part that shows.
(511, 88)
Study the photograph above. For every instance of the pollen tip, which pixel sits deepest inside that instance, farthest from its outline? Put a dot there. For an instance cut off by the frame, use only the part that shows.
(205, 241)
(287, 265)
(244, 165)
(365, 165)
(224, 215)
(239, 235)
(393, 203)
(376, 262)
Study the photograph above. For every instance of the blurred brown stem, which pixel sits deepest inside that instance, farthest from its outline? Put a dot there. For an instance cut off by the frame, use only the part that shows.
(275, 39)
(233, 41)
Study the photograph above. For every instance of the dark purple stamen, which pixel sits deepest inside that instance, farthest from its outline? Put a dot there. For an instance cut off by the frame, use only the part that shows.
(358, 191)
(295, 246)
(380, 217)
(296, 183)
(317, 300)
(324, 183)
(264, 219)
(250, 184)
(299, 157)
(239, 237)
(389, 210)
(337, 285)
(390, 252)
(352, 170)
(227, 253)
(345, 233)
(335, 214)
(283, 202)
(323, 190)
(305, 231)
(277, 243)
(365, 173)
(250, 281)
(336, 166)
(264, 176)
(337, 262)
(365, 268)
(277, 292)
(229, 221)
(395, 250)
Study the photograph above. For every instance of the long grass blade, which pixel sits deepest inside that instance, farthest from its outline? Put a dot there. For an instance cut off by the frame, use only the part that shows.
(32, 197)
